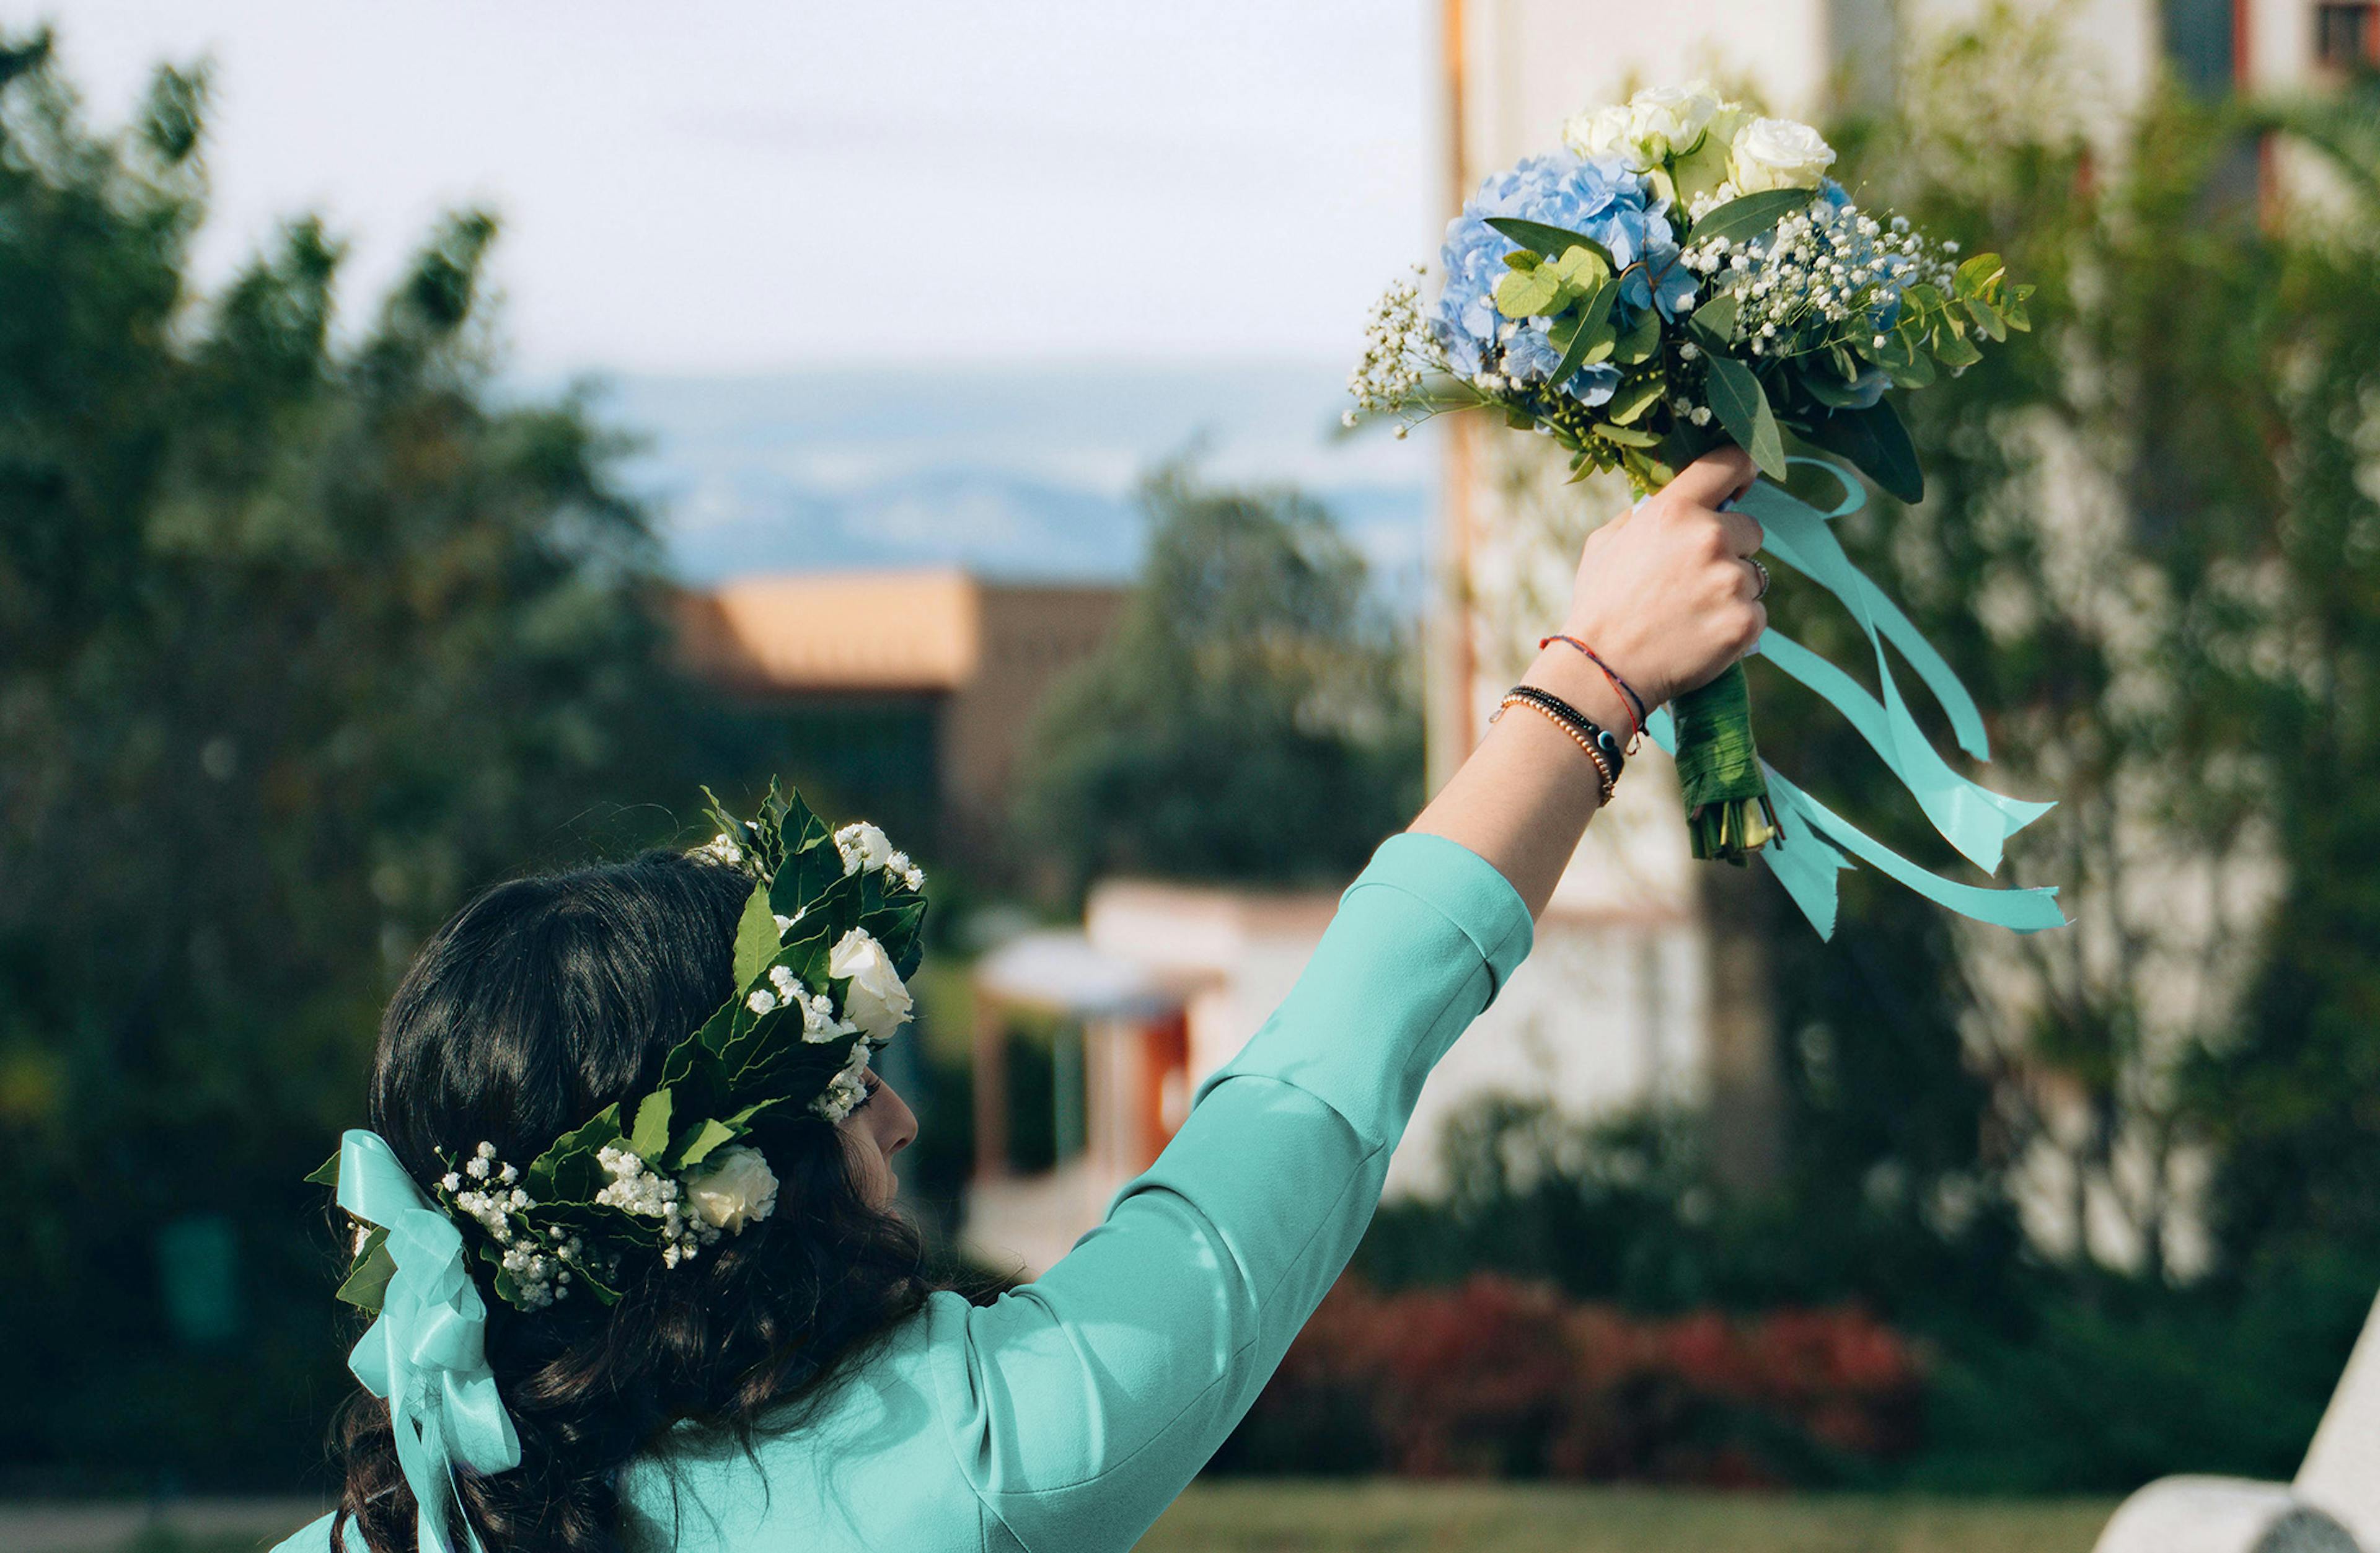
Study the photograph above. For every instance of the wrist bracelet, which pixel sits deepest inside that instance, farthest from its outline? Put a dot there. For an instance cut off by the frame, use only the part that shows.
(1634, 703)
(1595, 743)
(1596, 735)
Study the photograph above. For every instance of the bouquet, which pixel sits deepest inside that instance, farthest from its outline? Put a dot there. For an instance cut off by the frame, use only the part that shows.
(1684, 273)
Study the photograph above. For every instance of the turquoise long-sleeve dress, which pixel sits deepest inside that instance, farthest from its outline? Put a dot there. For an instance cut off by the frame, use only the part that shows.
(1064, 1416)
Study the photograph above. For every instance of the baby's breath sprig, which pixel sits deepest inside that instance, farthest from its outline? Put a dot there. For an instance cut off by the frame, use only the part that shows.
(1398, 355)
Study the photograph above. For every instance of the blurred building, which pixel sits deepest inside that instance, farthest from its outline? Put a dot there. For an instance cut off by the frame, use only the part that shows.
(1512, 70)
(1094, 1039)
(909, 691)
(1647, 986)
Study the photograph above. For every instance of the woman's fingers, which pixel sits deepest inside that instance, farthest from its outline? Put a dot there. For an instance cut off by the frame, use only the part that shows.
(1744, 535)
(1715, 478)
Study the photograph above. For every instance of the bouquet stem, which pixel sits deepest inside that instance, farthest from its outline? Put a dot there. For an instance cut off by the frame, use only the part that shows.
(1728, 813)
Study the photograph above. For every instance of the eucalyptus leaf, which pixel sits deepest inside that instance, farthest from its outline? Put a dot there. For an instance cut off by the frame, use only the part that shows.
(1831, 391)
(1626, 436)
(1913, 370)
(1714, 321)
(1550, 241)
(326, 1173)
(1742, 406)
(1589, 328)
(1527, 293)
(1742, 219)
(1980, 272)
(1878, 444)
(1642, 339)
(1633, 398)
(1954, 350)
(1583, 268)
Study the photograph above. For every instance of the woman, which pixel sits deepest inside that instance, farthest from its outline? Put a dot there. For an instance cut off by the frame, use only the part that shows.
(797, 1384)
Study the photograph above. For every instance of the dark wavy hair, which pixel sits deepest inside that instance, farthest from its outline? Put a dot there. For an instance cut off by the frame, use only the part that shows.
(543, 1001)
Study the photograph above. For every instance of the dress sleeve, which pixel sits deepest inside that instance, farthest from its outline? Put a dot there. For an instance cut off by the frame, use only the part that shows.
(1081, 1404)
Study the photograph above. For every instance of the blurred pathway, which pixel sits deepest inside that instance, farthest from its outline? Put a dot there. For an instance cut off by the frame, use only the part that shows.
(106, 1526)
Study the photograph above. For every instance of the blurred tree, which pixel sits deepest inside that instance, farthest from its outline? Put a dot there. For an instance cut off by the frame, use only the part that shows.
(2151, 546)
(2293, 1106)
(1250, 719)
(300, 642)
(2094, 557)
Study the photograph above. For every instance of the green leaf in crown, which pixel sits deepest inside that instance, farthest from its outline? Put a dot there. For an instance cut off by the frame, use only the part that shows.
(830, 932)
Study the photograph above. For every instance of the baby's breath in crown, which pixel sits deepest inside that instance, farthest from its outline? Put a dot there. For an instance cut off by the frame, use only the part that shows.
(488, 1192)
(828, 936)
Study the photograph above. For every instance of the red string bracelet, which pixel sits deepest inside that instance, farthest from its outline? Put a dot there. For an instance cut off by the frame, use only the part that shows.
(1628, 695)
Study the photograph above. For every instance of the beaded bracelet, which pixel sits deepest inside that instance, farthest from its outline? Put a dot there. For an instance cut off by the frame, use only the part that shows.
(1607, 778)
(1613, 755)
(1635, 703)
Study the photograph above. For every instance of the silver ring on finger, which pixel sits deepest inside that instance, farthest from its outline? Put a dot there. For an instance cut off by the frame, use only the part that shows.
(1763, 591)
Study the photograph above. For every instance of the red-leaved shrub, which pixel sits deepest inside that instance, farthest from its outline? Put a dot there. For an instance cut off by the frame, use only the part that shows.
(1497, 1377)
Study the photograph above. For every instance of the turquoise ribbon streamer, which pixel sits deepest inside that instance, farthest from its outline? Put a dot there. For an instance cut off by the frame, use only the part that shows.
(426, 1356)
(1810, 853)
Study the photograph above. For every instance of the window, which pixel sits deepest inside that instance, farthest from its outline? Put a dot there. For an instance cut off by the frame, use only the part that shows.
(2346, 37)
(2198, 44)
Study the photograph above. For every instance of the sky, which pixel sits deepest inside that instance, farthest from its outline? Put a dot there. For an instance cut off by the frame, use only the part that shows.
(745, 187)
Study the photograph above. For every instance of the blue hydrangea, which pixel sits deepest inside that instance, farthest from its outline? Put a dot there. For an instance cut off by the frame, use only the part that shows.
(1530, 359)
(1600, 198)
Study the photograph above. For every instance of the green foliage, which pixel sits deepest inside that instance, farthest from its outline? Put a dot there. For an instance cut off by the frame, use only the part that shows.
(303, 638)
(2038, 1381)
(761, 1059)
(1749, 215)
(1250, 719)
(1743, 407)
(2189, 435)
(2294, 1104)
(2150, 542)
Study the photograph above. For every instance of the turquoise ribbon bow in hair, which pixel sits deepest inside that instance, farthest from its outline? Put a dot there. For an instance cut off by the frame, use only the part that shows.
(427, 1355)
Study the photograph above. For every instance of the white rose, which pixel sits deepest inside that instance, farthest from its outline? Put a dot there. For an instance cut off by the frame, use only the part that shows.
(1779, 153)
(1665, 121)
(1705, 169)
(878, 1002)
(1603, 132)
(863, 846)
(735, 1188)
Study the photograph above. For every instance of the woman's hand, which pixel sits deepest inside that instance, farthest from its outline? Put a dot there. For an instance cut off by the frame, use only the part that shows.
(1665, 592)
(1664, 597)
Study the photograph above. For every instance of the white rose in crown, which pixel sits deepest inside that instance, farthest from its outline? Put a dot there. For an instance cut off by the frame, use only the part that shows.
(863, 846)
(738, 1188)
(1779, 153)
(1665, 121)
(877, 1001)
(1604, 132)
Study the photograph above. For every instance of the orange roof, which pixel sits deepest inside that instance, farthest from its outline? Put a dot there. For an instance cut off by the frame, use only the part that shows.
(918, 631)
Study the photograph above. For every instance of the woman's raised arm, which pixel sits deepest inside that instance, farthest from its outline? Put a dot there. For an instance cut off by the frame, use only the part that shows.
(1078, 1406)
(1664, 597)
